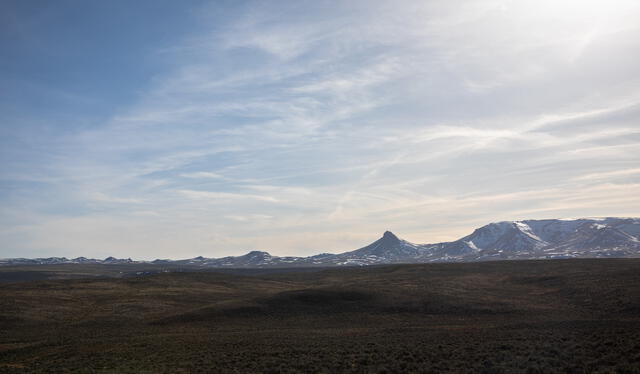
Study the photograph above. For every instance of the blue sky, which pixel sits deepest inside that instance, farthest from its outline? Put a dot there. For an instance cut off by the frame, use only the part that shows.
(171, 129)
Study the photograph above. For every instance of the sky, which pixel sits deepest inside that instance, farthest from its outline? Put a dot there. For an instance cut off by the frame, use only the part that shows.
(173, 129)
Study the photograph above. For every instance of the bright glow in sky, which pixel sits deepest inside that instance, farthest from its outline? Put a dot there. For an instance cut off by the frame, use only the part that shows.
(171, 129)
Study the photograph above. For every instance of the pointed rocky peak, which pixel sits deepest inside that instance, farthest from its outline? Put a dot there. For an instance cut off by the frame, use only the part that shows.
(388, 249)
(389, 235)
(388, 240)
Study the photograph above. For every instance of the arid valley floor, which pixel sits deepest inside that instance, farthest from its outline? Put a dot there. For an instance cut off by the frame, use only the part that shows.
(579, 316)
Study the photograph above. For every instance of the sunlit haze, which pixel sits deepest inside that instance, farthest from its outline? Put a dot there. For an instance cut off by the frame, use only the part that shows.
(172, 129)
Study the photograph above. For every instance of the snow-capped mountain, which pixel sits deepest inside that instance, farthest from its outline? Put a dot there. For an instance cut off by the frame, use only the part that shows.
(528, 239)
(551, 238)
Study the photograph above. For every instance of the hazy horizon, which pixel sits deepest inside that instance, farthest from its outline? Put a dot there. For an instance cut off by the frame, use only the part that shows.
(161, 129)
(362, 245)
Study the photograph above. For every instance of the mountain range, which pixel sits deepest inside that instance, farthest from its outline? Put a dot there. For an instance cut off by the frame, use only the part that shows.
(507, 240)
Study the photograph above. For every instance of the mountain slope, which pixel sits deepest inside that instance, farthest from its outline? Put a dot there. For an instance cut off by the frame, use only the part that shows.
(388, 249)
(552, 239)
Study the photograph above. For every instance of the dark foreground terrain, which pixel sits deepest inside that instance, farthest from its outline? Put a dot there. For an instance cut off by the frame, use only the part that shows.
(578, 316)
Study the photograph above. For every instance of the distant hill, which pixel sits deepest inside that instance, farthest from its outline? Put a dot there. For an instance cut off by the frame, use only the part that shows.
(507, 240)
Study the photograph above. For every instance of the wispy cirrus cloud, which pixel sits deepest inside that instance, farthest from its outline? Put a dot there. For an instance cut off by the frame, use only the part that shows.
(277, 122)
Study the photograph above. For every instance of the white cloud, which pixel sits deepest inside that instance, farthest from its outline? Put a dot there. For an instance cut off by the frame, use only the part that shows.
(608, 175)
(219, 197)
(202, 175)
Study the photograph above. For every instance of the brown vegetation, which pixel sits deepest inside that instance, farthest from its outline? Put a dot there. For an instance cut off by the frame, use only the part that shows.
(577, 316)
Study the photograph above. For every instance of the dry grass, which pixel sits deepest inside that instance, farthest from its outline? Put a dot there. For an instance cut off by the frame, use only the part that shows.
(578, 316)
